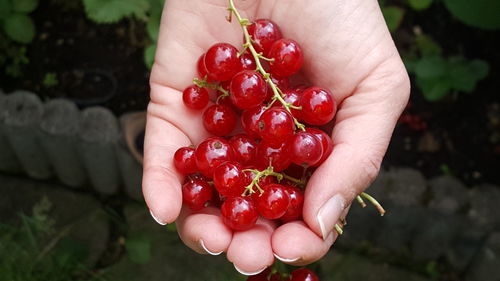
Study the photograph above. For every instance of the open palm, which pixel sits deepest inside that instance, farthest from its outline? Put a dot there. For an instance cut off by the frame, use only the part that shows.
(347, 49)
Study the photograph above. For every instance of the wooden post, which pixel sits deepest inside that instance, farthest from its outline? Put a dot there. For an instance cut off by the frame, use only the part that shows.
(8, 160)
(21, 118)
(59, 130)
(98, 138)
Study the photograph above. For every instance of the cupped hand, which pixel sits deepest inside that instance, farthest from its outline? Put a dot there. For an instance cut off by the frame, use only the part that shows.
(347, 49)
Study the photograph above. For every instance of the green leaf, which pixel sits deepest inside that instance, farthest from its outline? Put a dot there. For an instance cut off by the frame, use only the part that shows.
(149, 55)
(431, 67)
(464, 74)
(478, 13)
(393, 16)
(434, 89)
(111, 11)
(427, 46)
(5, 8)
(24, 6)
(480, 68)
(138, 248)
(419, 5)
(153, 27)
(20, 28)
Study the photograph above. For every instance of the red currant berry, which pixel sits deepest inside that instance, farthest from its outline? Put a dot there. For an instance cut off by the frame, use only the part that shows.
(200, 66)
(222, 62)
(264, 33)
(276, 125)
(303, 274)
(292, 97)
(318, 106)
(196, 194)
(211, 153)
(326, 143)
(248, 89)
(229, 179)
(195, 97)
(244, 148)
(287, 58)
(263, 276)
(273, 202)
(269, 155)
(294, 211)
(247, 62)
(250, 120)
(281, 82)
(219, 119)
(304, 149)
(184, 160)
(239, 213)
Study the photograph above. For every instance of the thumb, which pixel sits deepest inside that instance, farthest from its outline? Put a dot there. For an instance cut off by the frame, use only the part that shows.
(362, 132)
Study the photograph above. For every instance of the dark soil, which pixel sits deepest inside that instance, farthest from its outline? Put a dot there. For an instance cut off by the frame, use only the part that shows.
(103, 65)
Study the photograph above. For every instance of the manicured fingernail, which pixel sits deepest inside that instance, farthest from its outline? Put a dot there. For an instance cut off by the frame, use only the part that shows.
(249, 273)
(156, 219)
(329, 214)
(286, 260)
(202, 244)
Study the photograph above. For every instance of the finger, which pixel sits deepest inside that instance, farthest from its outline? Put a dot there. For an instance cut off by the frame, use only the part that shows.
(250, 251)
(204, 231)
(161, 184)
(361, 135)
(296, 244)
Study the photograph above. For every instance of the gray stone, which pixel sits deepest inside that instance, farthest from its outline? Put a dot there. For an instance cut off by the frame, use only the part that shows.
(77, 213)
(98, 136)
(434, 237)
(170, 258)
(399, 186)
(8, 160)
(21, 118)
(59, 128)
(131, 172)
(466, 244)
(337, 267)
(448, 194)
(484, 199)
(487, 264)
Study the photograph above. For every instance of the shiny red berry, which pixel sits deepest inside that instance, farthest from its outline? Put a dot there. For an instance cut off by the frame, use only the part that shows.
(303, 274)
(196, 194)
(287, 58)
(239, 213)
(326, 143)
(264, 33)
(222, 62)
(244, 147)
(219, 119)
(273, 202)
(276, 125)
(250, 120)
(229, 179)
(184, 160)
(304, 149)
(211, 153)
(318, 106)
(248, 89)
(263, 276)
(195, 97)
(275, 156)
(294, 211)
(292, 96)
(283, 83)
(200, 66)
(247, 62)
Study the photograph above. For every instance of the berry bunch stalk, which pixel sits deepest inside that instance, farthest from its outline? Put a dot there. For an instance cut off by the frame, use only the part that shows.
(248, 45)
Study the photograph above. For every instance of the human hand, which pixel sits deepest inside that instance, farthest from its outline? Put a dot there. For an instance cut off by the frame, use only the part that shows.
(347, 49)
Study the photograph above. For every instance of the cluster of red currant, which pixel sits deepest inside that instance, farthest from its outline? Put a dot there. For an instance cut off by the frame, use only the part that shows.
(300, 274)
(263, 171)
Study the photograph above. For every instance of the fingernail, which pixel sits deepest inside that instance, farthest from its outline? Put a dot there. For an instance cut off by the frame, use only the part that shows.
(202, 244)
(156, 219)
(286, 260)
(249, 273)
(329, 214)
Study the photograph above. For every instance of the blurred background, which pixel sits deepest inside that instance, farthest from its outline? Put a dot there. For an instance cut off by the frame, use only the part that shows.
(74, 84)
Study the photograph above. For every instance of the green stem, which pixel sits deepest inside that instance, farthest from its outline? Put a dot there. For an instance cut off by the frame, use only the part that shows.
(205, 84)
(257, 57)
(374, 202)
